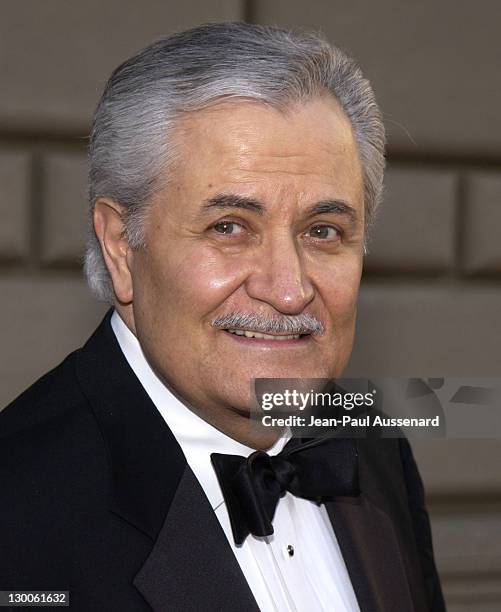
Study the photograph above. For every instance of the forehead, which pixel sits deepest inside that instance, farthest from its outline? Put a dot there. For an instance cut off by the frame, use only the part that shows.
(254, 146)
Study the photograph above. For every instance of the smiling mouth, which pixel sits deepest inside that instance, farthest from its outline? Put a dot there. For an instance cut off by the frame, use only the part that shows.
(260, 336)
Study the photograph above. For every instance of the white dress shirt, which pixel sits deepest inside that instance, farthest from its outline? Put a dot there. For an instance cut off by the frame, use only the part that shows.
(298, 568)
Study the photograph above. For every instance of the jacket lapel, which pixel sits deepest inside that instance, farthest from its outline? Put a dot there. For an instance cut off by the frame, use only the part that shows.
(375, 534)
(192, 537)
(371, 553)
(146, 462)
(191, 565)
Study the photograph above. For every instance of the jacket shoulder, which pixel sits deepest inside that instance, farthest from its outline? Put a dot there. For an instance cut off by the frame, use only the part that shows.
(51, 397)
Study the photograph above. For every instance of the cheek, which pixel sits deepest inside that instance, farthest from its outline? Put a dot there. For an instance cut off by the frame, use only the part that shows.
(340, 292)
(197, 283)
(340, 299)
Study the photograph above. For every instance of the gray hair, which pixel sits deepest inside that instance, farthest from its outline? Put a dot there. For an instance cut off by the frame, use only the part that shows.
(130, 149)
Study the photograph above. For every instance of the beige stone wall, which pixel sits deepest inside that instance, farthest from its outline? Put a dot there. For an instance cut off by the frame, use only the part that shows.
(431, 294)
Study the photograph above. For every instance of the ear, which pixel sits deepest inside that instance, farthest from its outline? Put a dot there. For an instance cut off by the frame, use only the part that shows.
(109, 228)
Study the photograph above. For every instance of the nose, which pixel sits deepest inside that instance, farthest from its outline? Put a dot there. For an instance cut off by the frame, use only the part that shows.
(279, 277)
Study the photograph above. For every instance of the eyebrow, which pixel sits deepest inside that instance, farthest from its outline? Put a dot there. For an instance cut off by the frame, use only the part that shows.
(337, 207)
(224, 201)
(233, 201)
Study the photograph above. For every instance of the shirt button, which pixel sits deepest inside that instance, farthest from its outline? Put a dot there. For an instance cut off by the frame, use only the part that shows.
(290, 550)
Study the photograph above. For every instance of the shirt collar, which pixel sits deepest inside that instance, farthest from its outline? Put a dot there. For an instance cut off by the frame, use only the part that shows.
(197, 438)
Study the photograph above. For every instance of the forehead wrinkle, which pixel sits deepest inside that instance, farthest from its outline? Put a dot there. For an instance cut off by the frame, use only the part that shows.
(294, 165)
(292, 173)
(287, 146)
(248, 174)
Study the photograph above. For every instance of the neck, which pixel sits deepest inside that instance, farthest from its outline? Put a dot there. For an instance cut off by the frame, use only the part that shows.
(235, 424)
(240, 427)
(250, 433)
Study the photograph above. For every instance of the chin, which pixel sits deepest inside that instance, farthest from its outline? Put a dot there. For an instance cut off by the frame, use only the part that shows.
(296, 373)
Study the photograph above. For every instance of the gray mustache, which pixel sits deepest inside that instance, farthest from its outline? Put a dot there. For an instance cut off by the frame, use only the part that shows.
(283, 324)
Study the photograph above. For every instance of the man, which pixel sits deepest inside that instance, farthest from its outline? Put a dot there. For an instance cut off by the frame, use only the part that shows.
(234, 171)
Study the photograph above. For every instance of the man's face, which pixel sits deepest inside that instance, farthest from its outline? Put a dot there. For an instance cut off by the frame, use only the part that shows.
(263, 216)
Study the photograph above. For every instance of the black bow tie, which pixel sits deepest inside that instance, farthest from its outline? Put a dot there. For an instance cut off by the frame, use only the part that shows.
(317, 469)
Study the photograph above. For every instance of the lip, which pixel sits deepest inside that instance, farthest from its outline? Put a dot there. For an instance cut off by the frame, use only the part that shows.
(303, 341)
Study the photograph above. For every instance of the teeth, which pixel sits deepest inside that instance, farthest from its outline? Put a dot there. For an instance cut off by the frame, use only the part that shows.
(252, 334)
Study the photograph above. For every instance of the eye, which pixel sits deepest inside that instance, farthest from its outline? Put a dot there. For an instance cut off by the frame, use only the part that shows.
(227, 227)
(323, 232)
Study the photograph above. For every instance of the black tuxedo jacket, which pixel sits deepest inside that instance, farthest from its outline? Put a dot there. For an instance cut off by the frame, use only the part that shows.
(97, 499)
